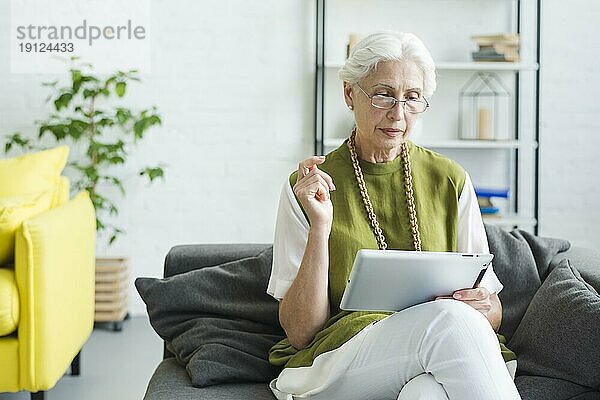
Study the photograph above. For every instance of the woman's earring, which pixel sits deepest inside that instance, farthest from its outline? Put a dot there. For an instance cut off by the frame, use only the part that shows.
(351, 107)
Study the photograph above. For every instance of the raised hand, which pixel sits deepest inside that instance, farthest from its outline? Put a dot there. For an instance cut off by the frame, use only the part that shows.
(312, 189)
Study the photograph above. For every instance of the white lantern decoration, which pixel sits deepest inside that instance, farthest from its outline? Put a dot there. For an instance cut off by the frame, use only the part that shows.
(484, 110)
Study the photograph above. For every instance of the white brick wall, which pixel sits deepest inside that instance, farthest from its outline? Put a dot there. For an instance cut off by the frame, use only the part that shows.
(570, 128)
(234, 83)
(226, 163)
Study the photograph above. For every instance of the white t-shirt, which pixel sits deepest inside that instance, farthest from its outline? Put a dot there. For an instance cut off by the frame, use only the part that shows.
(291, 236)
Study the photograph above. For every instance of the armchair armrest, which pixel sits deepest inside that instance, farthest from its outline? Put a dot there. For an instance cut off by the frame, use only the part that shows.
(55, 269)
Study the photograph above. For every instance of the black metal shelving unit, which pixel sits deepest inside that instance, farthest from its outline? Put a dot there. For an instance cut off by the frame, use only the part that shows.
(320, 73)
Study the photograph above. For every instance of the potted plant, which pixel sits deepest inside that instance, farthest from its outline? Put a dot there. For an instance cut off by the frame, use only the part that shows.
(88, 111)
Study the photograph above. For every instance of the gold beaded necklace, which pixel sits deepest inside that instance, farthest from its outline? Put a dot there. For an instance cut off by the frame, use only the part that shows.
(414, 227)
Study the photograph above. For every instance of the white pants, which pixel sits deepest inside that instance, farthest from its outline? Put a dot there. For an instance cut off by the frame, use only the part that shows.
(443, 349)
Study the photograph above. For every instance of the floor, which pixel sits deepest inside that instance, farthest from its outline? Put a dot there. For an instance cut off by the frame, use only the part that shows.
(114, 365)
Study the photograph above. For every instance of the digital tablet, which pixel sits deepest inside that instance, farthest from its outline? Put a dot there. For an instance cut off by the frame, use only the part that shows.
(392, 280)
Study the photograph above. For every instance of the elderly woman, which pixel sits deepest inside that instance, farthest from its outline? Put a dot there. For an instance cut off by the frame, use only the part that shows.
(379, 190)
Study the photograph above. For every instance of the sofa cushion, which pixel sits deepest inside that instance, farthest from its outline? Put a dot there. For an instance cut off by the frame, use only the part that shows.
(558, 336)
(33, 173)
(62, 194)
(218, 321)
(521, 262)
(587, 262)
(9, 302)
(541, 387)
(13, 211)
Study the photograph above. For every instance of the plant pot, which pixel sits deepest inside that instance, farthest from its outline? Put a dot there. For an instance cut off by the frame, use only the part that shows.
(111, 291)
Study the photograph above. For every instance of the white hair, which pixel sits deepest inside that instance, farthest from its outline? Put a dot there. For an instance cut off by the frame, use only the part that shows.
(389, 46)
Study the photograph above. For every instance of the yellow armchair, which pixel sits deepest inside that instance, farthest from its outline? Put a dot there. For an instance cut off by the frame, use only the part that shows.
(54, 263)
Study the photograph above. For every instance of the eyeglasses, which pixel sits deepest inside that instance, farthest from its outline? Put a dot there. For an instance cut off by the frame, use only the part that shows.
(388, 102)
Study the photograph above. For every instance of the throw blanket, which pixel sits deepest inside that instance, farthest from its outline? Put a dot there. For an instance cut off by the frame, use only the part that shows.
(522, 263)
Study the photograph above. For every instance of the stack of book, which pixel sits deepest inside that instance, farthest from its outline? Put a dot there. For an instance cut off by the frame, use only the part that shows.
(503, 47)
(484, 198)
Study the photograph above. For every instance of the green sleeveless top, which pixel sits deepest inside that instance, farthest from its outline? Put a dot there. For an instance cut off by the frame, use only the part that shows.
(437, 185)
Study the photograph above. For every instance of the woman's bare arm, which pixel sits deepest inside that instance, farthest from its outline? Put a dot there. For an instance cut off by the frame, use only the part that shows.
(305, 308)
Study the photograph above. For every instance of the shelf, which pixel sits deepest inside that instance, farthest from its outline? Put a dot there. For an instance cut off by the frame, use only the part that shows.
(471, 66)
(509, 220)
(455, 144)
(486, 66)
(477, 144)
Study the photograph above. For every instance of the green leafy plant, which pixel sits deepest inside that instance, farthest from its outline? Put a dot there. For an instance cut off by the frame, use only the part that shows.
(84, 115)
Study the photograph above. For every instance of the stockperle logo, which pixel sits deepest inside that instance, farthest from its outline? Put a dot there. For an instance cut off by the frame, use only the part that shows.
(109, 34)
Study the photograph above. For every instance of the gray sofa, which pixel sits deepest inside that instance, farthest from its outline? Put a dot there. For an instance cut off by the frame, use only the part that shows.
(171, 381)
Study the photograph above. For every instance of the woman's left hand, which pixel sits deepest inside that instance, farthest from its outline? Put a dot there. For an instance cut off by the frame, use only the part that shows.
(478, 298)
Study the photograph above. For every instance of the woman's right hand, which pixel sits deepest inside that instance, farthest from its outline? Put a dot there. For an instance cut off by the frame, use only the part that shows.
(312, 189)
